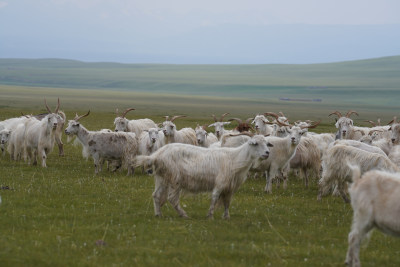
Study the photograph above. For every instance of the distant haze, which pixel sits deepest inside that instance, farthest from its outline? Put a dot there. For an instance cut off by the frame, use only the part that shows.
(200, 32)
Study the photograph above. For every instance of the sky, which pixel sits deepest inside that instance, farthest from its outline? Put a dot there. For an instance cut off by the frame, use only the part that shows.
(200, 32)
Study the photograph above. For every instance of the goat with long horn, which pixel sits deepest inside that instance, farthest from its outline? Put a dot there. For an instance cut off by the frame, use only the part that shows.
(219, 125)
(172, 135)
(122, 124)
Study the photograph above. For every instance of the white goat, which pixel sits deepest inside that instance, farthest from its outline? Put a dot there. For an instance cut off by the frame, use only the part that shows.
(203, 138)
(280, 127)
(394, 155)
(282, 152)
(4, 137)
(384, 144)
(346, 127)
(336, 170)
(322, 140)
(307, 158)
(219, 126)
(184, 135)
(104, 145)
(360, 145)
(61, 119)
(12, 123)
(262, 126)
(16, 142)
(375, 201)
(136, 126)
(39, 137)
(222, 171)
(150, 141)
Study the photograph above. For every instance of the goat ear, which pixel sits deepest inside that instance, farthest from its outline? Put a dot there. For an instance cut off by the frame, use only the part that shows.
(270, 145)
(337, 124)
(211, 125)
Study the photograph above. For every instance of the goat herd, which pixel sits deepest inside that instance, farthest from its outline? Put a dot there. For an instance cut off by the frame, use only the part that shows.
(195, 160)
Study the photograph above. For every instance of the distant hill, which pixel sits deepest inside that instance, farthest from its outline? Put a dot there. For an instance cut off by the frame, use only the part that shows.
(373, 73)
(371, 86)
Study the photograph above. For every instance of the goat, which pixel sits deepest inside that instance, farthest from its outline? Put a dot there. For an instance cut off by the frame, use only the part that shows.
(336, 171)
(384, 144)
(261, 125)
(219, 125)
(16, 146)
(307, 157)
(375, 201)
(222, 171)
(4, 136)
(203, 138)
(242, 126)
(282, 152)
(39, 136)
(279, 124)
(122, 124)
(150, 141)
(184, 135)
(346, 127)
(394, 155)
(104, 145)
(60, 125)
(360, 145)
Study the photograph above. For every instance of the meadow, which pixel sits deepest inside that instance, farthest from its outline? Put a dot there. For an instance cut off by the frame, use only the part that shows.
(64, 215)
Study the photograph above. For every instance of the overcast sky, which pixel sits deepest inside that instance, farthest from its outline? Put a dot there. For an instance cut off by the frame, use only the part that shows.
(206, 31)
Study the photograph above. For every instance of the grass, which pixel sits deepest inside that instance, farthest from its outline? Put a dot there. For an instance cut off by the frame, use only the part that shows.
(56, 217)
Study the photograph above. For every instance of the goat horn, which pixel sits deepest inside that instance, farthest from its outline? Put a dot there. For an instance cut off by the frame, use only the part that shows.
(215, 118)
(116, 112)
(126, 111)
(372, 123)
(222, 116)
(48, 109)
(281, 113)
(379, 121)
(282, 123)
(58, 106)
(348, 114)
(393, 121)
(337, 113)
(77, 118)
(176, 117)
(271, 114)
(313, 125)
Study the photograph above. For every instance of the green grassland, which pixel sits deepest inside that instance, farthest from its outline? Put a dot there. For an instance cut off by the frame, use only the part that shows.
(54, 216)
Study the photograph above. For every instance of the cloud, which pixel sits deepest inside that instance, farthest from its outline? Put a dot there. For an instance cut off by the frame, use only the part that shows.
(3, 4)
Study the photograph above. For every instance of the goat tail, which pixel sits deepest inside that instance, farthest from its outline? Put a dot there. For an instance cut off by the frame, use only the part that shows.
(356, 172)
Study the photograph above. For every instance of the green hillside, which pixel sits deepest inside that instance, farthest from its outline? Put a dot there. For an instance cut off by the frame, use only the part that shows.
(371, 86)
